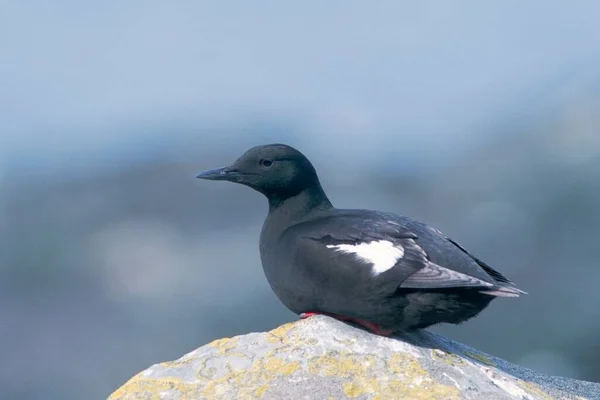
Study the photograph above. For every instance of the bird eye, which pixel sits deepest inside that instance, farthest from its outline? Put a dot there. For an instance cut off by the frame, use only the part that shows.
(266, 163)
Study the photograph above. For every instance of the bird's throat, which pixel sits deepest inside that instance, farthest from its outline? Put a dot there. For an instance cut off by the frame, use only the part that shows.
(299, 205)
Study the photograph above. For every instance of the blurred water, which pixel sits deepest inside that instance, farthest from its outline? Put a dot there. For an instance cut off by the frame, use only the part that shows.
(482, 120)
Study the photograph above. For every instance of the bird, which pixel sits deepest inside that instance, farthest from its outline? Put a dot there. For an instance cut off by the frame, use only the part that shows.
(385, 272)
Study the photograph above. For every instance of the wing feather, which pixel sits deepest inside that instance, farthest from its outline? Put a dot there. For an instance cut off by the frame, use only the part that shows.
(414, 269)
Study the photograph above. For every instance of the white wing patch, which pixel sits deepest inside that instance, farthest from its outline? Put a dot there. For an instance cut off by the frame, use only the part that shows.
(381, 254)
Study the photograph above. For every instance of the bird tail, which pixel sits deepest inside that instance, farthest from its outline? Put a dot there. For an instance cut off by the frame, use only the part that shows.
(504, 291)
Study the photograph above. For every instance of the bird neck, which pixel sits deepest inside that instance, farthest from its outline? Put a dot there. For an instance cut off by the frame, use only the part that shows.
(295, 208)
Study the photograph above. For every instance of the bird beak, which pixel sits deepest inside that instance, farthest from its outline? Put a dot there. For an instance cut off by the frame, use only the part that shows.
(218, 174)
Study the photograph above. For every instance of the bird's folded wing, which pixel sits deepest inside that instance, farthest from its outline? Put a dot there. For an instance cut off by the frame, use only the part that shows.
(489, 270)
(353, 230)
(433, 276)
(376, 243)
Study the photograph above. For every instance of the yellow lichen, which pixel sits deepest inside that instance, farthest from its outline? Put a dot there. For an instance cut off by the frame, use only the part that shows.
(225, 344)
(177, 363)
(279, 334)
(404, 377)
(152, 387)
(279, 366)
(228, 346)
(286, 335)
(448, 358)
(334, 364)
(480, 357)
(352, 390)
(408, 379)
(260, 392)
(246, 384)
(534, 389)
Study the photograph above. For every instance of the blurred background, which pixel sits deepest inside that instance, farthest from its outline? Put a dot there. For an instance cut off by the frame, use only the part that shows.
(481, 119)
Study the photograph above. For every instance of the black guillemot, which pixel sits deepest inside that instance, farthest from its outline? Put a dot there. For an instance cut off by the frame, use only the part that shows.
(383, 271)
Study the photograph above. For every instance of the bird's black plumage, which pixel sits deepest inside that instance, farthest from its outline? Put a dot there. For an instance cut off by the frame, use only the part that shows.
(379, 267)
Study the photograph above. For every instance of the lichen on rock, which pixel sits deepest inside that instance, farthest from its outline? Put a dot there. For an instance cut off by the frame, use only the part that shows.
(321, 358)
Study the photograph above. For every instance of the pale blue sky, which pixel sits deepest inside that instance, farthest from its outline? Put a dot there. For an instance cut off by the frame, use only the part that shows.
(383, 77)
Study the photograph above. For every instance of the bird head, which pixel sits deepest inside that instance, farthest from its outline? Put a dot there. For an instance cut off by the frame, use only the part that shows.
(275, 170)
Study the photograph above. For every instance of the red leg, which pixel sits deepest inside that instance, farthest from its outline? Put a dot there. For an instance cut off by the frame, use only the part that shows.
(369, 325)
(372, 327)
(305, 315)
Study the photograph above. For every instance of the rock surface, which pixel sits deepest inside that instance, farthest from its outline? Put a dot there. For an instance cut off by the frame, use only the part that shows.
(321, 358)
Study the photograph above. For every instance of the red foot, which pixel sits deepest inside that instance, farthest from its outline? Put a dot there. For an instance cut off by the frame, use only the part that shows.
(369, 325)
(305, 315)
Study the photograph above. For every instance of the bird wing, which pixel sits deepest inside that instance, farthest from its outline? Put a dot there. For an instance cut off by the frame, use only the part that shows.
(492, 272)
(381, 248)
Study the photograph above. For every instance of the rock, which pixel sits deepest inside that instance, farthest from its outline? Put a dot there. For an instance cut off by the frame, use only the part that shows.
(322, 358)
